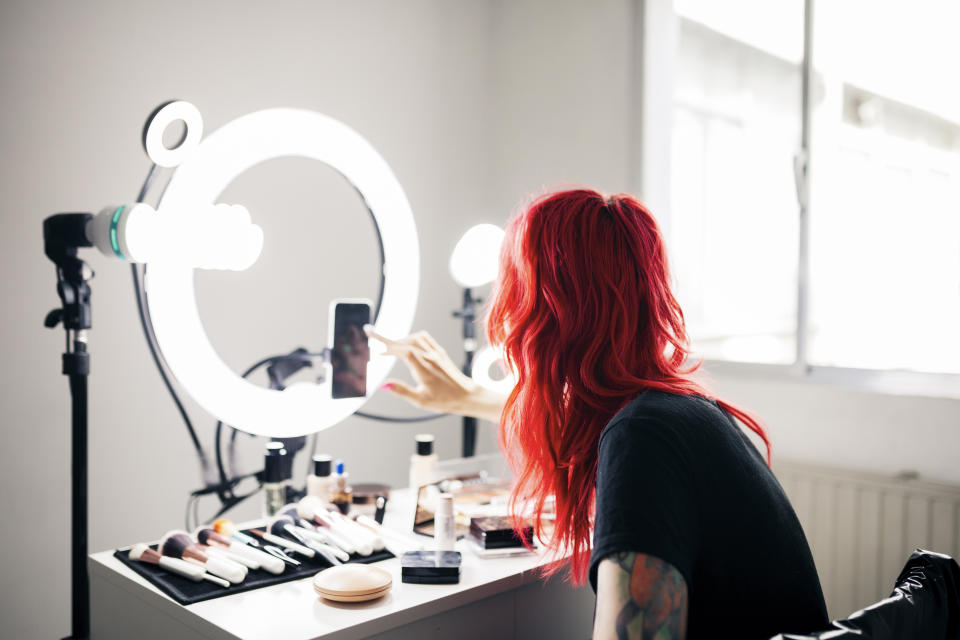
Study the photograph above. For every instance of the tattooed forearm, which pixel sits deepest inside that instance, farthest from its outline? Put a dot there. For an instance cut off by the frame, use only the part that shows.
(648, 598)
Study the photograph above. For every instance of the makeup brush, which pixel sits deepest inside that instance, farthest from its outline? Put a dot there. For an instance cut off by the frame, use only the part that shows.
(322, 534)
(179, 544)
(253, 558)
(365, 540)
(284, 543)
(195, 572)
(322, 537)
(285, 523)
(375, 527)
(291, 512)
(349, 524)
(314, 510)
(226, 527)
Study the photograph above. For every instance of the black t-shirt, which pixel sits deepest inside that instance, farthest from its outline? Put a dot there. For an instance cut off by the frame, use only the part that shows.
(678, 479)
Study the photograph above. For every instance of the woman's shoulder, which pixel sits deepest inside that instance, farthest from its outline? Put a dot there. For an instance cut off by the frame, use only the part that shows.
(681, 415)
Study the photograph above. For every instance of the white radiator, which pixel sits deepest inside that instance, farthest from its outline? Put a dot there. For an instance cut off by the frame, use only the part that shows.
(862, 527)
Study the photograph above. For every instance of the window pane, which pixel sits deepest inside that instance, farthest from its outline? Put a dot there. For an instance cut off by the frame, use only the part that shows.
(885, 208)
(733, 211)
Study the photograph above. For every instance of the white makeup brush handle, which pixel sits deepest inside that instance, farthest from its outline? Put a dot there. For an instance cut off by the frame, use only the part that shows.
(228, 554)
(227, 569)
(324, 545)
(267, 562)
(359, 539)
(214, 579)
(381, 531)
(360, 531)
(187, 570)
(338, 532)
(324, 535)
(332, 555)
(289, 544)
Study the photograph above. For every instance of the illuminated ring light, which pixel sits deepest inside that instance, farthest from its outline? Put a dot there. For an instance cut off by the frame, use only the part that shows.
(480, 371)
(157, 123)
(303, 407)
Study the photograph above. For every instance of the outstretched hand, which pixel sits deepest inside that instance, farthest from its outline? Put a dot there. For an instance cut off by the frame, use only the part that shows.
(440, 385)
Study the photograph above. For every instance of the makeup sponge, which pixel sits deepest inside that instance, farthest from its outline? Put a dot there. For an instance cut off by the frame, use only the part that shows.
(352, 583)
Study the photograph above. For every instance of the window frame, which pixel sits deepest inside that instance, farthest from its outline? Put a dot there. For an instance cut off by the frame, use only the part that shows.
(655, 33)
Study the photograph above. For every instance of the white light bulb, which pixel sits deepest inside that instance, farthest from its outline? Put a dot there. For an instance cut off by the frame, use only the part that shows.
(476, 258)
(203, 236)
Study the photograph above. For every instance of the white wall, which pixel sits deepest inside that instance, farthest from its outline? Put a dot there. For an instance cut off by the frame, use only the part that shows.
(78, 80)
(475, 106)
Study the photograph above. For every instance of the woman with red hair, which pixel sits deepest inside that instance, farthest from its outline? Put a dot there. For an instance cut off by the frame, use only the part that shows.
(692, 536)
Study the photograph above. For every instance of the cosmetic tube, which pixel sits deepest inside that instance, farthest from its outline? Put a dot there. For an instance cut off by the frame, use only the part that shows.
(445, 528)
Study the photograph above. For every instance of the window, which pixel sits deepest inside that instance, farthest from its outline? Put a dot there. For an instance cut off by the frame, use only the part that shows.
(733, 214)
(885, 199)
(884, 216)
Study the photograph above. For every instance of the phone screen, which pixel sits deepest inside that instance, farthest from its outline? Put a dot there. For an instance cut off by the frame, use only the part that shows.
(350, 352)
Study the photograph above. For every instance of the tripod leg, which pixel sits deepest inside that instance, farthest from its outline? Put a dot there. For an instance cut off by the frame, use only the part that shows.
(80, 580)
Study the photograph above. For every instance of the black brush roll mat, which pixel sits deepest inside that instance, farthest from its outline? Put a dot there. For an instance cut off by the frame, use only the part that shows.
(186, 591)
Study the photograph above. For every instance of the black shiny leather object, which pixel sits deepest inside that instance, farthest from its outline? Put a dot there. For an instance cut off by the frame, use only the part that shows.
(925, 605)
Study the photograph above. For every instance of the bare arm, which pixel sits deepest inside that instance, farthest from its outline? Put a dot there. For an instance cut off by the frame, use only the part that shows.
(441, 386)
(639, 597)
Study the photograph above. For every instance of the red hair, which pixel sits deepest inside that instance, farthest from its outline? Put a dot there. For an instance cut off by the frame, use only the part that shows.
(585, 314)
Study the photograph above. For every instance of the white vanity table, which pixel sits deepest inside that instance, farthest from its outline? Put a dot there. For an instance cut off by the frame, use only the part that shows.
(497, 598)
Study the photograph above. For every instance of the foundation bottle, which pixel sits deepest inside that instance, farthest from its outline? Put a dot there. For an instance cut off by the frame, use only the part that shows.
(423, 463)
(320, 481)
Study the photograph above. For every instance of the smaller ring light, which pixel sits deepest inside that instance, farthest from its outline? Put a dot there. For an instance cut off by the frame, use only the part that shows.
(480, 372)
(158, 122)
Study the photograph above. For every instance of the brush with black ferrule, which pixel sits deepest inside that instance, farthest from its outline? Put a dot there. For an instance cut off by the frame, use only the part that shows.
(280, 541)
(313, 510)
(284, 523)
(235, 550)
(179, 544)
(312, 537)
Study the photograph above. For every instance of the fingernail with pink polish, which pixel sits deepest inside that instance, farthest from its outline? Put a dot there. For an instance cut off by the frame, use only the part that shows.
(387, 385)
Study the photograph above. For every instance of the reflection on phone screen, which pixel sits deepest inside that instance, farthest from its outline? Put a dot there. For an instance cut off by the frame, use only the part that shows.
(350, 352)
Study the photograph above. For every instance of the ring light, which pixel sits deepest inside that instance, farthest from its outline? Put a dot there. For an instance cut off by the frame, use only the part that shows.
(237, 146)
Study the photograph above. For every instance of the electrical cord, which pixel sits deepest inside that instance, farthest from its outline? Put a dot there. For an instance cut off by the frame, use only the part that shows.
(221, 472)
(147, 325)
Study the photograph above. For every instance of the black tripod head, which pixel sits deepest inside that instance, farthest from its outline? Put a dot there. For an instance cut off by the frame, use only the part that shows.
(63, 235)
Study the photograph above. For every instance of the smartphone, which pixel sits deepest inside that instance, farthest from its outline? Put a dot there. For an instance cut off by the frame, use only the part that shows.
(349, 349)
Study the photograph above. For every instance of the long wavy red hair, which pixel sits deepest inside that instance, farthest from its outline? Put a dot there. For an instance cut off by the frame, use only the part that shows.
(584, 311)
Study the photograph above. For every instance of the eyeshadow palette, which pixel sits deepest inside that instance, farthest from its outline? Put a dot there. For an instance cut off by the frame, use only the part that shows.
(497, 532)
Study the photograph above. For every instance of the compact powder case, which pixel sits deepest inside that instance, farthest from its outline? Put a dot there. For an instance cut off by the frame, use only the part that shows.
(430, 567)
(352, 583)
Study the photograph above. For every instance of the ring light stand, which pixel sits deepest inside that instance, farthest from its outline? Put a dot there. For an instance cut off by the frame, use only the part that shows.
(169, 312)
(63, 234)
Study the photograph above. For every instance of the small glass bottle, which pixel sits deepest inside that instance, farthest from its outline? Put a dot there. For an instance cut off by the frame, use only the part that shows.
(274, 482)
(320, 481)
(423, 463)
(341, 494)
